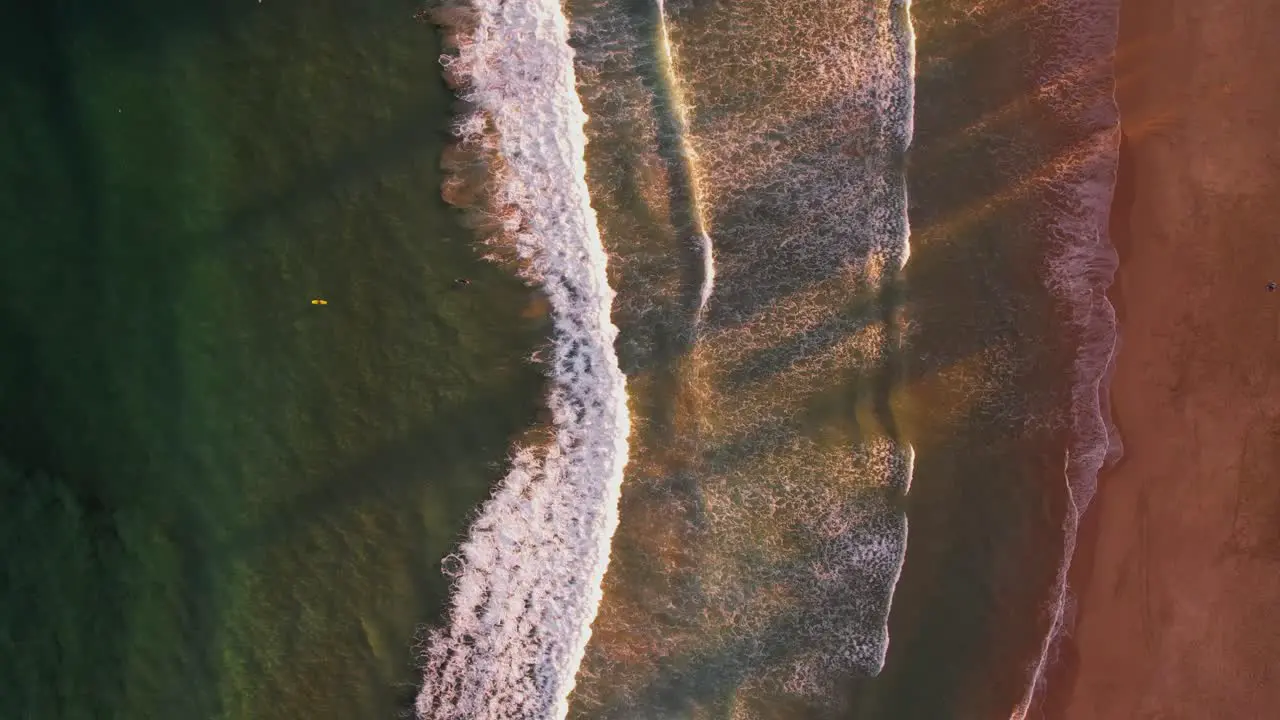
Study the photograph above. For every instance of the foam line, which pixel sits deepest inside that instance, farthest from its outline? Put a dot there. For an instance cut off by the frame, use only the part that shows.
(679, 113)
(527, 579)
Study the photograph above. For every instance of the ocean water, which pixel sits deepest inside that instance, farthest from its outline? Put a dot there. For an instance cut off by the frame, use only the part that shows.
(859, 256)
(220, 500)
(778, 392)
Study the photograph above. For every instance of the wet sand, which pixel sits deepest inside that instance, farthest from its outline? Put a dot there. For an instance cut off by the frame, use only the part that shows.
(1178, 573)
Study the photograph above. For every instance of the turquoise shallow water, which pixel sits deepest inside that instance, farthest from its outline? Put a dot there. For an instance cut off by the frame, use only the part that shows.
(220, 500)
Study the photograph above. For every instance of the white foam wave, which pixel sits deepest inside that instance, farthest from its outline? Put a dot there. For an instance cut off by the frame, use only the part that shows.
(528, 576)
(900, 477)
(708, 272)
(909, 64)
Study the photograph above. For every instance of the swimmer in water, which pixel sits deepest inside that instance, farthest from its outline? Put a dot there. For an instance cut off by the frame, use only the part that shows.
(461, 282)
(1271, 286)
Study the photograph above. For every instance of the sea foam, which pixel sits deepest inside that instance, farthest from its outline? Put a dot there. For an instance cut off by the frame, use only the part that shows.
(763, 532)
(680, 124)
(527, 579)
(1078, 84)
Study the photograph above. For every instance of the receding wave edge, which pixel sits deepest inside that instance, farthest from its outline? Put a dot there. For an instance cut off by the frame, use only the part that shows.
(1080, 86)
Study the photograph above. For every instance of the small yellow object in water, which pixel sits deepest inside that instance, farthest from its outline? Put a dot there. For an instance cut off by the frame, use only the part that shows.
(319, 301)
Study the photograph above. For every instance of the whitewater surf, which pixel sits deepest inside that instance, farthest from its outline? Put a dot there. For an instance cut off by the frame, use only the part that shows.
(527, 577)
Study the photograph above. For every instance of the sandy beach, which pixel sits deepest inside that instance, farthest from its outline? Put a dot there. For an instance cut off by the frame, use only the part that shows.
(1178, 574)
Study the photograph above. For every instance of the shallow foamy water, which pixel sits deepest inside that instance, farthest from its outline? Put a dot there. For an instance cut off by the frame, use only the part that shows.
(796, 387)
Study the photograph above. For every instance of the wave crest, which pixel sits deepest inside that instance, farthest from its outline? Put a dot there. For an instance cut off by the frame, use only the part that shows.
(527, 579)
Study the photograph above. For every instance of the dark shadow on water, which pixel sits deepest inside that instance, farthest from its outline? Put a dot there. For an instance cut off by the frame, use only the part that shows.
(673, 336)
(668, 142)
(26, 441)
(413, 139)
(987, 499)
(445, 452)
(860, 312)
(986, 504)
(139, 27)
(121, 452)
(950, 603)
(706, 679)
(142, 31)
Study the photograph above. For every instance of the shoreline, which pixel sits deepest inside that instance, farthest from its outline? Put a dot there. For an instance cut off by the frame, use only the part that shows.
(1063, 673)
(1176, 559)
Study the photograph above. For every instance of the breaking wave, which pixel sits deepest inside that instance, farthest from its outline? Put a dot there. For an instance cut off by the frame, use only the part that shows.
(527, 579)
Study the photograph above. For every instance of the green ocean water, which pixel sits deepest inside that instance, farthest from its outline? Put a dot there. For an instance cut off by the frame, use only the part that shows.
(219, 500)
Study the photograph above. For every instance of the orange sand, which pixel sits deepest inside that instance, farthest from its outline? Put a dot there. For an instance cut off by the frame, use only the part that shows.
(1180, 591)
